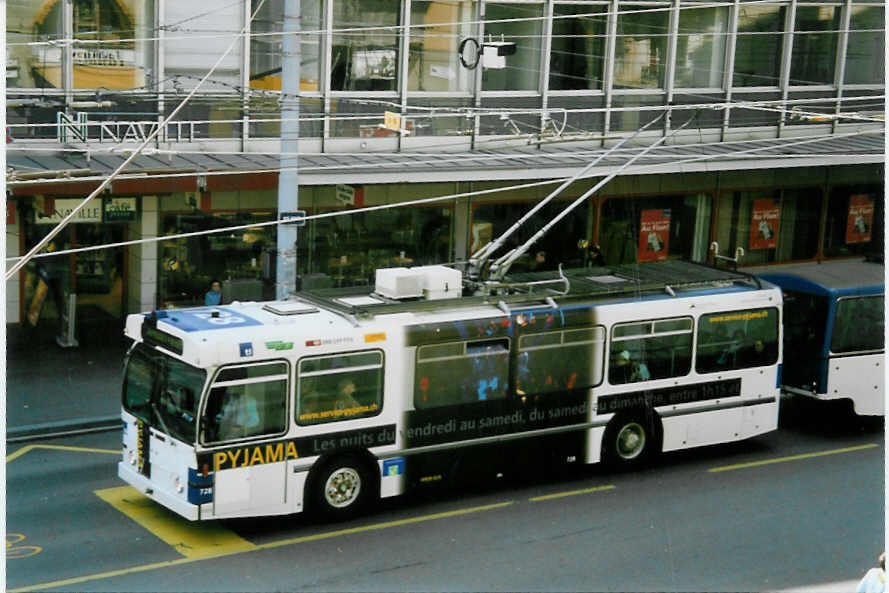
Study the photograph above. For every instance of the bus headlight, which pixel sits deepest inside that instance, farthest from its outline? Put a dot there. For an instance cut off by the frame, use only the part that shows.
(131, 456)
(177, 483)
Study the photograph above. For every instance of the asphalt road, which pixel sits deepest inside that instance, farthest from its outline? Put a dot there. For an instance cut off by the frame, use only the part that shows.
(808, 511)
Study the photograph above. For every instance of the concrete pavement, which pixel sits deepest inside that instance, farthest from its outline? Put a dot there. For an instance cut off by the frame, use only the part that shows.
(52, 390)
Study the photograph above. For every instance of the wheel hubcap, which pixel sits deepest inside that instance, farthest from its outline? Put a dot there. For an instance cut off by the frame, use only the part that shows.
(342, 487)
(631, 441)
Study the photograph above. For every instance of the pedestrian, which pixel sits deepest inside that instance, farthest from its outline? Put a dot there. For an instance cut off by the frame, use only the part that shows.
(874, 580)
(213, 296)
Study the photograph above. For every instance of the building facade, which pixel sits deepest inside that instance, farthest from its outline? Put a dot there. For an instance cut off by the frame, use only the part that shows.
(453, 118)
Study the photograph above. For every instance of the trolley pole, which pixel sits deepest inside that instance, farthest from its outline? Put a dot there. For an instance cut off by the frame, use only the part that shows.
(288, 179)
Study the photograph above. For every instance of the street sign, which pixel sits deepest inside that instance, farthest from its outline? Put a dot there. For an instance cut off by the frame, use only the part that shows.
(297, 218)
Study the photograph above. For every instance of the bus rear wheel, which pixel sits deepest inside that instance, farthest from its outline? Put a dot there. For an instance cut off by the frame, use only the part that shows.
(629, 440)
(342, 487)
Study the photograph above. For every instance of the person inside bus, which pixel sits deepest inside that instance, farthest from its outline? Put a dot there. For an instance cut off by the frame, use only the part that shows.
(345, 398)
(213, 296)
(239, 416)
(628, 371)
(729, 357)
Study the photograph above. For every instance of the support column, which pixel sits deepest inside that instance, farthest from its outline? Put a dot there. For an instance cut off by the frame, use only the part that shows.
(288, 179)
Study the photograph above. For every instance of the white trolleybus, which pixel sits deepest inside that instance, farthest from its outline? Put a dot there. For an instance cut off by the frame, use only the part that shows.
(834, 331)
(336, 397)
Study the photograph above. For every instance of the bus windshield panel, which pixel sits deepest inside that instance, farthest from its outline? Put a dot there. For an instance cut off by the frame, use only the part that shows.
(859, 325)
(163, 391)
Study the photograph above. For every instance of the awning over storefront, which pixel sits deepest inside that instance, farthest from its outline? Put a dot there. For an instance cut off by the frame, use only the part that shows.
(161, 172)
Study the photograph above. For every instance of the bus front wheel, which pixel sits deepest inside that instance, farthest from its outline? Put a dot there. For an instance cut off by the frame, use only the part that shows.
(630, 440)
(342, 487)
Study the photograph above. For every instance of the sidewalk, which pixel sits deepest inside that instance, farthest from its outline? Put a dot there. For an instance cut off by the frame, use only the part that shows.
(50, 389)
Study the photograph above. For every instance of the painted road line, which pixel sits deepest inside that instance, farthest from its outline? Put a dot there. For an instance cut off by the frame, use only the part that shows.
(728, 468)
(191, 539)
(29, 448)
(50, 586)
(572, 493)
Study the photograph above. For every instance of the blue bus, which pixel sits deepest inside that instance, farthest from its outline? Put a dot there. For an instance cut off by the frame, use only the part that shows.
(833, 330)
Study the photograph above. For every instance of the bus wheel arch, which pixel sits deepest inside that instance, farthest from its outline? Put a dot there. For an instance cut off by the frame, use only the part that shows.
(632, 438)
(340, 486)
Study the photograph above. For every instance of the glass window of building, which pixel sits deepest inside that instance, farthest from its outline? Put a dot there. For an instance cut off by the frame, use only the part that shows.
(774, 226)
(437, 28)
(867, 42)
(559, 245)
(195, 38)
(641, 47)
(855, 223)
(525, 29)
(187, 266)
(814, 45)
(759, 45)
(115, 64)
(700, 53)
(266, 51)
(577, 52)
(347, 250)
(655, 228)
(365, 46)
(33, 66)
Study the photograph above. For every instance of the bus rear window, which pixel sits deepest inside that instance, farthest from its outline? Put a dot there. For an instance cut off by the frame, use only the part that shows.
(858, 326)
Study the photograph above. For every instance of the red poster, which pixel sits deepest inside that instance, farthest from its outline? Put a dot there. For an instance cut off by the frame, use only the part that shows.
(861, 218)
(764, 224)
(654, 235)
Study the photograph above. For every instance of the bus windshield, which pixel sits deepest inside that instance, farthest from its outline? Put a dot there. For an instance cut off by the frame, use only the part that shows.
(163, 391)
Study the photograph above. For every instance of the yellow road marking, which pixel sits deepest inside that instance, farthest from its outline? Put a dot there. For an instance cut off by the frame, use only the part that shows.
(728, 468)
(572, 493)
(28, 448)
(191, 539)
(297, 540)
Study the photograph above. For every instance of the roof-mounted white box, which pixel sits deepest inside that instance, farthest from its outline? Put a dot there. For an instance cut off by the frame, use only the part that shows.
(399, 283)
(441, 282)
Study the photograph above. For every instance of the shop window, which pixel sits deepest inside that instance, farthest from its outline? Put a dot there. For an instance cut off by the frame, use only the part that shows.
(577, 52)
(462, 372)
(339, 387)
(814, 45)
(759, 45)
(867, 41)
(522, 71)
(560, 361)
(641, 47)
(347, 250)
(365, 61)
(700, 53)
(737, 340)
(560, 244)
(650, 350)
(773, 226)
(235, 258)
(433, 60)
(858, 326)
(33, 66)
(854, 222)
(246, 401)
(651, 229)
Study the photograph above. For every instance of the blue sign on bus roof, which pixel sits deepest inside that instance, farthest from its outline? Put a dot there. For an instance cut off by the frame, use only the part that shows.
(207, 318)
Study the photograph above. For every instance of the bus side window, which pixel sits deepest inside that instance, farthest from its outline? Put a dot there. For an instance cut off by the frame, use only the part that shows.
(560, 361)
(339, 387)
(461, 372)
(650, 350)
(858, 326)
(737, 340)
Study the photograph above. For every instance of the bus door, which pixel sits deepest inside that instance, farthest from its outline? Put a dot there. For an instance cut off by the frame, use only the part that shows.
(805, 320)
(245, 420)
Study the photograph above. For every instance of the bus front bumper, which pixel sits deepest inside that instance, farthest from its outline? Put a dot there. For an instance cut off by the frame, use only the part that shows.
(182, 507)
